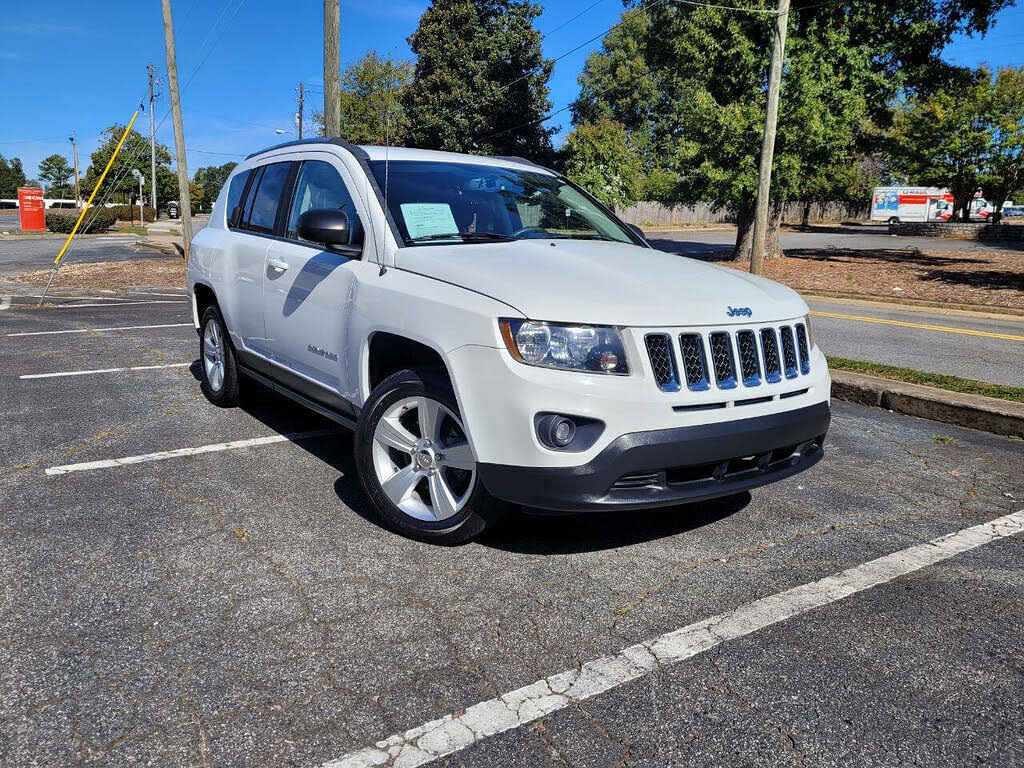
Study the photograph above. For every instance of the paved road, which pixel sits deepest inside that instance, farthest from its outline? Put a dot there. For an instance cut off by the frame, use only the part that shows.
(969, 347)
(238, 607)
(868, 237)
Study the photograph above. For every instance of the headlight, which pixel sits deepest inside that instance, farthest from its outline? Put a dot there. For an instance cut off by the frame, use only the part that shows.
(593, 348)
(810, 334)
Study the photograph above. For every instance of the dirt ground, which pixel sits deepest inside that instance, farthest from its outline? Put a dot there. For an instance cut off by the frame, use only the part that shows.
(988, 278)
(112, 274)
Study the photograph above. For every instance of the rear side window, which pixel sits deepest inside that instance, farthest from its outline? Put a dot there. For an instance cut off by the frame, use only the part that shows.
(263, 212)
(235, 190)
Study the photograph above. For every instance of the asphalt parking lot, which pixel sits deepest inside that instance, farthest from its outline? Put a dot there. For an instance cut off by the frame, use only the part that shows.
(185, 585)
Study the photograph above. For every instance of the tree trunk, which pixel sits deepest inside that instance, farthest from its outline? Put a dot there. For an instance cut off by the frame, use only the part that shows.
(805, 220)
(745, 233)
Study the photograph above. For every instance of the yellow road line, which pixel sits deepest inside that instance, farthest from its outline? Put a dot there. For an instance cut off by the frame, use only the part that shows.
(922, 326)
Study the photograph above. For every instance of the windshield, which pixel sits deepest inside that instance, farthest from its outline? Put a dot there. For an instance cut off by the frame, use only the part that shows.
(446, 203)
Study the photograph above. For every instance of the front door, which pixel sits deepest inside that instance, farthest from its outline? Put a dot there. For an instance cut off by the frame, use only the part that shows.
(308, 292)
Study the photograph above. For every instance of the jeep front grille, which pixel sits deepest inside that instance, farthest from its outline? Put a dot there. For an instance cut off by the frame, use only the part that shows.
(724, 358)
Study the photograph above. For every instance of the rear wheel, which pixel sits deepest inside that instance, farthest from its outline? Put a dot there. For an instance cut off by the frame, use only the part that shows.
(416, 462)
(220, 370)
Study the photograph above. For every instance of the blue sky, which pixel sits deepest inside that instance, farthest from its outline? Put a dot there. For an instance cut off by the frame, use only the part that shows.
(81, 66)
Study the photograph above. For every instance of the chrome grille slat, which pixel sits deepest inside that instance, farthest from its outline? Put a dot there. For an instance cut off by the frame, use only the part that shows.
(722, 359)
(695, 367)
(750, 367)
(770, 350)
(803, 348)
(788, 352)
(663, 362)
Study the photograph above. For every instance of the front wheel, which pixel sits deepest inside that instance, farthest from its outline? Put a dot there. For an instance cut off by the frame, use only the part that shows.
(416, 462)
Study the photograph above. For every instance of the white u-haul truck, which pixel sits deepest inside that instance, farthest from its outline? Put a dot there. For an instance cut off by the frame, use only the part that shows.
(896, 204)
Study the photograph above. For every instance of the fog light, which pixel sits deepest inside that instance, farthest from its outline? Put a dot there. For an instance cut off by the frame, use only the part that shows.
(556, 431)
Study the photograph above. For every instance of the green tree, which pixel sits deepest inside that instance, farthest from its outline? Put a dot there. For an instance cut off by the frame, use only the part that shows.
(942, 138)
(134, 154)
(371, 106)
(601, 158)
(689, 85)
(1003, 171)
(480, 82)
(56, 172)
(210, 179)
(12, 176)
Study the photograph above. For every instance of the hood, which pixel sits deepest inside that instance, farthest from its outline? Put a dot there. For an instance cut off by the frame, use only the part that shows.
(604, 283)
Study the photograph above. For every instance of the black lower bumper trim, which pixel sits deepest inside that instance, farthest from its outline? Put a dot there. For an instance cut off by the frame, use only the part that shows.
(671, 466)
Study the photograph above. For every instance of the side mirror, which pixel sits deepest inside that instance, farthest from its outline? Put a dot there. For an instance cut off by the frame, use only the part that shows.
(330, 228)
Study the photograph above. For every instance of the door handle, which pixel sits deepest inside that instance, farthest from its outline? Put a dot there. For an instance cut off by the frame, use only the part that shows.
(277, 264)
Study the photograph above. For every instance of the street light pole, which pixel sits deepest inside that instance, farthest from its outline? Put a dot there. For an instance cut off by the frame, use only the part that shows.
(74, 151)
(179, 130)
(771, 117)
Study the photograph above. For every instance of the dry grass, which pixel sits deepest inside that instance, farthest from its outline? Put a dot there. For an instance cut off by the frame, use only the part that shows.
(165, 273)
(987, 278)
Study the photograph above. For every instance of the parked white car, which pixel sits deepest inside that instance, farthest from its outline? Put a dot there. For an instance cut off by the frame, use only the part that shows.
(495, 336)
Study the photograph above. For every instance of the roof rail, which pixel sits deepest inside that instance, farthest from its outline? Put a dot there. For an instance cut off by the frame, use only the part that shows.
(524, 161)
(301, 142)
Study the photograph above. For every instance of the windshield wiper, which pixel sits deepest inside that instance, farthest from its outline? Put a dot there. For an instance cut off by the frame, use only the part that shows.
(466, 237)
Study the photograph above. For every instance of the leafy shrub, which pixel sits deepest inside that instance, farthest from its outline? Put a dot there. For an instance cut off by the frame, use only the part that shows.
(96, 220)
(131, 212)
(659, 186)
(603, 159)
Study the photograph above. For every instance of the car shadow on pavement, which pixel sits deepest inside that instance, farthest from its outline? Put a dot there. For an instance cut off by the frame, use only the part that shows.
(545, 534)
(520, 531)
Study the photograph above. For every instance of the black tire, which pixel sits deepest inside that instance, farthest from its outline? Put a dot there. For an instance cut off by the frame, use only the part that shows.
(894, 220)
(480, 511)
(226, 395)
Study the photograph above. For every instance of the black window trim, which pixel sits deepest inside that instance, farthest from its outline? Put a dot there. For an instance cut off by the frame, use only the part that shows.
(232, 219)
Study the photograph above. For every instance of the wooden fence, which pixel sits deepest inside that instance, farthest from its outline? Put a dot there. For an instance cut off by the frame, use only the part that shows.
(661, 215)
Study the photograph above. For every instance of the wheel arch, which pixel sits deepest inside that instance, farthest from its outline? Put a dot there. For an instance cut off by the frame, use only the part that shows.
(203, 296)
(388, 352)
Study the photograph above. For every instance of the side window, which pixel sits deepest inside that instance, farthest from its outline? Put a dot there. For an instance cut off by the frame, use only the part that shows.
(320, 186)
(235, 190)
(263, 213)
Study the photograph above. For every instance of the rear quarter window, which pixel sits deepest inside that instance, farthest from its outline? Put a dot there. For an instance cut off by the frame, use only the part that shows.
(234, 202)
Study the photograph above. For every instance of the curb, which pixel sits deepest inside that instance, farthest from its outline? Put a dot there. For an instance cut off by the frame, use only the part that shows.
(916, 305)
(1001, 417)
(171, 248)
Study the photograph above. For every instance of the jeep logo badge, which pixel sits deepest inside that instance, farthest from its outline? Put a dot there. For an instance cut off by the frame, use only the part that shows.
(739, 312)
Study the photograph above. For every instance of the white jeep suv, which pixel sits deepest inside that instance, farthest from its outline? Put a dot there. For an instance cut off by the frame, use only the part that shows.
(495, 336)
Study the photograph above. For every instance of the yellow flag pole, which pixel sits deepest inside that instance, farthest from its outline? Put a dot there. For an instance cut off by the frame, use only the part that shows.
(96, 189)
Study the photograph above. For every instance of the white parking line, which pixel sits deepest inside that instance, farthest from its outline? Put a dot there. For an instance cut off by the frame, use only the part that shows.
(111, 328)
(453, 733)
(179, 452)
(116, 304)
(58, 374)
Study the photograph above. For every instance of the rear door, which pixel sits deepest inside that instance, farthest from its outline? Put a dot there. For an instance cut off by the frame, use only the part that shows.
(252, 221)
(309, 292)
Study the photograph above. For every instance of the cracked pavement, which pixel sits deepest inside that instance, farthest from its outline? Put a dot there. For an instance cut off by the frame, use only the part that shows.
(240, 607)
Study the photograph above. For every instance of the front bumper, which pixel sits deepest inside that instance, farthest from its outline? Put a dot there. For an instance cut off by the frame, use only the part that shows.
(671, 466)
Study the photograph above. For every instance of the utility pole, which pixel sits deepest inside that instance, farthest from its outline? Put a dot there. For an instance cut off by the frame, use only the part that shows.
(74, 151)
(332, 67)
(771, 117)
(179, 129)
(152, 143)
(300, 111)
